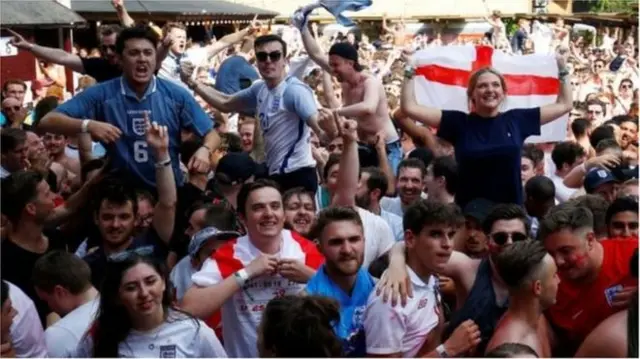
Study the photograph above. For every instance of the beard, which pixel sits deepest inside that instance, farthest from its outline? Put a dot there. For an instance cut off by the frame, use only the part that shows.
(363, 201)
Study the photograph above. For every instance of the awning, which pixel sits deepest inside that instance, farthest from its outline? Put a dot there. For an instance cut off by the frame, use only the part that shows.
(37, 13)
(197, 8)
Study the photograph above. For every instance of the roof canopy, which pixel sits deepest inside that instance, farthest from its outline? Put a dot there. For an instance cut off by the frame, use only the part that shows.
(37, 13)
(211, 8)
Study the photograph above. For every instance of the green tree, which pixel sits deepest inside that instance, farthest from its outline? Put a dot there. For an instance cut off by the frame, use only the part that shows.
(622, 6)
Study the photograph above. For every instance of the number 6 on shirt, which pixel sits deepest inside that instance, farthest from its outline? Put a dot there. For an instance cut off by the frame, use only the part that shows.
(140, 152)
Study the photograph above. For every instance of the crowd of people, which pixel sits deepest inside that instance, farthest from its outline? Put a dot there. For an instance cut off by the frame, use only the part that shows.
(284, 193)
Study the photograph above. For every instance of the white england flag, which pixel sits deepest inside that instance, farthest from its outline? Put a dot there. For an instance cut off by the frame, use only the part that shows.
(442, 76)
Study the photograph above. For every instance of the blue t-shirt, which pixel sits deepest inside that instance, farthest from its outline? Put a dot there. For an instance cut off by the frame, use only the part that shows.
(114, 102)
(488, 152)
(235, 74)
(350, 329)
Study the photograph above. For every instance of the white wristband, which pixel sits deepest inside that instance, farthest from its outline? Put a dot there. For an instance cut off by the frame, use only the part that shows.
(241, 277)
(85, 126)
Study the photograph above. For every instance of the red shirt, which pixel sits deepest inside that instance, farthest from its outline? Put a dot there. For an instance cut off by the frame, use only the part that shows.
(580, 307)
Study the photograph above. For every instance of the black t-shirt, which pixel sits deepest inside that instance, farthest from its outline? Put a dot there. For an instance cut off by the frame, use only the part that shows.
(97, 259)
(100, 69)
(17, 267)
(188, 195)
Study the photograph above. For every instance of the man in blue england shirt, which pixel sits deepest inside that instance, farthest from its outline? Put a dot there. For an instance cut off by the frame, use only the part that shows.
(285, 107)
(113, 112)
(341, 240)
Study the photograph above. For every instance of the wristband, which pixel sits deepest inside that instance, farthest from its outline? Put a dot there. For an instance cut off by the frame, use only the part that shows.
(409, 72)
(85, 126)
(442, 352)
(241, 277)
(164, 163)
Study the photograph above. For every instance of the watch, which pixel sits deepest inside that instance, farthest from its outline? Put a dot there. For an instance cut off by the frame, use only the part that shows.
(442, 352)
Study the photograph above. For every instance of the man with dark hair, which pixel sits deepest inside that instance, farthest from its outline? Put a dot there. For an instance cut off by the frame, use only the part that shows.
(475, 213)
(597, 270)
(410, 182)
(102, 69)
(581, 129)
(565, 156)
(243, 275)
(413, 330)
(285, 108)
(479, 295)
(532, 279)
(596, 112)
(364, 96)
(629, 131)
(117, 112)
(622, 218)
(540, 196)
(371, 189)
(64, 281)
(341, 240)
(532, 162)
(441, 180)
(13, 151)
(600, 133)
(598, 207)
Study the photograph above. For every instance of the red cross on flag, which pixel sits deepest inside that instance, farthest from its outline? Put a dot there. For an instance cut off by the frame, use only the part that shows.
(442, 76)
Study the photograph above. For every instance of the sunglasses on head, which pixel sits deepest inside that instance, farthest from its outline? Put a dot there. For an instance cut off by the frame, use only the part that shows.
(130, 254)
(501, 238)
(273, 56)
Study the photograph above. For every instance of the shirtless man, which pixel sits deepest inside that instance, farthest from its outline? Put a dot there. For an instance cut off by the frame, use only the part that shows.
(532, 278)
(398, 31)
(363, 96)
(56, 145)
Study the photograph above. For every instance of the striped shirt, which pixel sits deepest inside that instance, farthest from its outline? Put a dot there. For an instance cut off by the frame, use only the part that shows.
(242, 313)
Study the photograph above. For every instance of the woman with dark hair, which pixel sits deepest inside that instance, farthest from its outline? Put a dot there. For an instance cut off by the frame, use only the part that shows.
(300, 326)
(137, 319)
(487, 141)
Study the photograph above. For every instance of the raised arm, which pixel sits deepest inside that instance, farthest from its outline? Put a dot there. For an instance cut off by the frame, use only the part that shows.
(165, 211)
(420, 133)
(232, 39)
(123, 15)
(329, 93)
(410, 107)
(313, 49)
(48, 54)
(349, 164)
(564, 103)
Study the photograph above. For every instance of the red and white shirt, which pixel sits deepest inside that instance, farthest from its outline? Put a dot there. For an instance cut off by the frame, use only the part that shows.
(242, 313)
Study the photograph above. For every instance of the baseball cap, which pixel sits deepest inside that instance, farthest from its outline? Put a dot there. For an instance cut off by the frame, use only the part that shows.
(235, 168)
(346, 51)
(596, 178)
(478, 209)
(201, 237)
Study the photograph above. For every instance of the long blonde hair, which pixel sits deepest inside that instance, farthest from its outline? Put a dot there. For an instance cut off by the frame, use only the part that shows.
(473, 82)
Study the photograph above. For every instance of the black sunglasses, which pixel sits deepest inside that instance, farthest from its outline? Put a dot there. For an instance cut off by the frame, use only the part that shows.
(15, 108)
(273, 56)
(501, 238)
(108, 47)
(130, 254)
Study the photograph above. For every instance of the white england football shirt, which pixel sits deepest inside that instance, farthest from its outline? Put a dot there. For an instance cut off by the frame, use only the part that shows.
(64, 335)
(178, 337)
(398, 329)
(242, 313)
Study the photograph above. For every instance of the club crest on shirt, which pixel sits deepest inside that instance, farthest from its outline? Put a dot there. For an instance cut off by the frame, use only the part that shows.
(610, 292)
(168, 351)
(138, 126)
(358, 315)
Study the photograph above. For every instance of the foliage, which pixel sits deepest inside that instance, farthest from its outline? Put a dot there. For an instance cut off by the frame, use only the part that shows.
(617, 6)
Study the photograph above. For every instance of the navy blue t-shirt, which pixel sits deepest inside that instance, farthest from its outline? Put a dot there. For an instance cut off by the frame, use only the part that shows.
(235, 74)
(488, 152)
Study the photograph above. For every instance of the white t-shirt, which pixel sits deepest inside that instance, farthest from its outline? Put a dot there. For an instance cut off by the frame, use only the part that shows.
(178, 337)
(242, 313)
(181, 277)
(64, 335)
(398, 329)
(27, 336)
(563, 193)
(378, 237)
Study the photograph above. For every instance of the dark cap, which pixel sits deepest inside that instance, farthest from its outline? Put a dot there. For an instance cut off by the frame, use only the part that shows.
(347, 52)
(478, 209)
(596, 178)
(204, 235)
(235, 168)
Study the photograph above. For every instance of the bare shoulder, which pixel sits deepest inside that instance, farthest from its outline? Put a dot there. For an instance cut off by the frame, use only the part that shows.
(608, 339)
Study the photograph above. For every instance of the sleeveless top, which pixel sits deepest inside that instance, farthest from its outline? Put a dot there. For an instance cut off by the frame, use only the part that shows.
(350, 328)
(480, 306)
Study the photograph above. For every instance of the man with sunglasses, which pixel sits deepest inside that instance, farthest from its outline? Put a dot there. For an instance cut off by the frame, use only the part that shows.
(364, 99)
(481, 295)
(285, 107)
(595, 275)
(596, 110)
